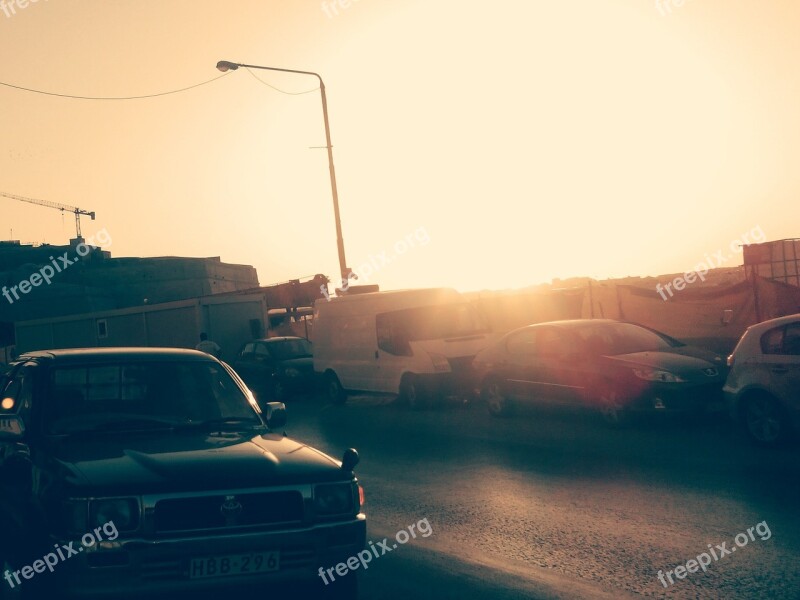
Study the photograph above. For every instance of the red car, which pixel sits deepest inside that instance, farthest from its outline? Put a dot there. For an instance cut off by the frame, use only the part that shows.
(614, 367)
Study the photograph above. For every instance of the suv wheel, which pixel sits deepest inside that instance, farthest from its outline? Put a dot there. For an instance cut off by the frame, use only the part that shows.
(6, 593)
(334, 390)
(18, 592)
(497, 402)
(411, 392)
(765, 420)
(278, 392)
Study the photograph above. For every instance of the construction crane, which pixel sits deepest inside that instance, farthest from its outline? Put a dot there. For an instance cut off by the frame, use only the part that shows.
(62, 207)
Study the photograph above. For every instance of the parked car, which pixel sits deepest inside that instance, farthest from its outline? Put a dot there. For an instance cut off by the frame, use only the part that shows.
(279, 367)
(614, 367)
(417, 344)
(154, 470)
(763, 386)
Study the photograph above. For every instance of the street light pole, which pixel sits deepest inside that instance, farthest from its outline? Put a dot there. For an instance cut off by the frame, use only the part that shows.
(224, 66)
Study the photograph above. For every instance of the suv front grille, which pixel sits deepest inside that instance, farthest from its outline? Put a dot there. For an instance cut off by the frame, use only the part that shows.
(228, 511)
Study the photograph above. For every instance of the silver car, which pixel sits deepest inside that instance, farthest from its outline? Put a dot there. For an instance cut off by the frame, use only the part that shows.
(763, 386)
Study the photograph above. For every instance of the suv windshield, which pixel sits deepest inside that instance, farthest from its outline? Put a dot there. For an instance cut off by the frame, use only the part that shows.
(134, 396)
(288, 349)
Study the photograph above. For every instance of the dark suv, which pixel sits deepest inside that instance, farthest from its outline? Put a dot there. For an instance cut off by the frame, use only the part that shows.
(140, 470)
(279, 367)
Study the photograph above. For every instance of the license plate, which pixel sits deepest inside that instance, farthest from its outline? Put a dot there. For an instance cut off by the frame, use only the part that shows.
(233, 564)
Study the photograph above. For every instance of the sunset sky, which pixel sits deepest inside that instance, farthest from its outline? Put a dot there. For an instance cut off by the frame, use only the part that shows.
(525, 140)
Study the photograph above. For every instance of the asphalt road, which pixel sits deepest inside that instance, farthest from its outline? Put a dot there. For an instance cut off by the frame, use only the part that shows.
(555, 505)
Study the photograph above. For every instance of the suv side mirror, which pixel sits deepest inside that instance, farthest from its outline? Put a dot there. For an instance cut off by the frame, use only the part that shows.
(350, 460)
(11, 428)
(275, 414)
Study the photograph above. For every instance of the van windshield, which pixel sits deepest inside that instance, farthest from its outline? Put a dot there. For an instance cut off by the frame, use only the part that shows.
(432, 322)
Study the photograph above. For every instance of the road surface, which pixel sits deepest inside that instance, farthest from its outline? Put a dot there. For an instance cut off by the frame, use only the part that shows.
(555, 505)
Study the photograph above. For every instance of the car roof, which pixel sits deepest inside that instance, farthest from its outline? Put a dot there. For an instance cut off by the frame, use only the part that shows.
(83, 355)
(574, 323)
(393, 300)
(777, 322)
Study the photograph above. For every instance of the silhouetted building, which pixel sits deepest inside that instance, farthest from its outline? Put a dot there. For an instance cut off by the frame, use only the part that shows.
(41, 281)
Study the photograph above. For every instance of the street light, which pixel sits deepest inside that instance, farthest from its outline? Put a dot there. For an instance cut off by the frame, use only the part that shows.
(225, 66)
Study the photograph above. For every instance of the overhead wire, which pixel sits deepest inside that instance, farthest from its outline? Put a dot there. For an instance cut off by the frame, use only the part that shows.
(191, 87)
(178, 91)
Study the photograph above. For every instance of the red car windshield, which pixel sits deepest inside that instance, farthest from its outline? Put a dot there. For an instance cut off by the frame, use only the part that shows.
(611, 339)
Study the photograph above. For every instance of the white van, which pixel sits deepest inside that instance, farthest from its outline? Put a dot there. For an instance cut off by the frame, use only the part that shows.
(415, 343)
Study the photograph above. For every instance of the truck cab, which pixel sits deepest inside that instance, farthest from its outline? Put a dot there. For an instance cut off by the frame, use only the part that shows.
(131, 471)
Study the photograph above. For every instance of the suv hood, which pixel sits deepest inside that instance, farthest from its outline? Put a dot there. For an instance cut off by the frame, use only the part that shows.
(148, 463)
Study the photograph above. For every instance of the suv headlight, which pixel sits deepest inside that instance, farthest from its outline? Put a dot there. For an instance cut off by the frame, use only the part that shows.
(123, 512)
(658, 375)
(291, 372)
(333, 499)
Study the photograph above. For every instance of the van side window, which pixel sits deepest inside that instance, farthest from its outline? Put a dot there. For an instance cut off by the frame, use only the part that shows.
(392, 334)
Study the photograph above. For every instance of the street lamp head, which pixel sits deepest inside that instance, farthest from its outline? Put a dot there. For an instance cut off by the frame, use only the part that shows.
(225, 66)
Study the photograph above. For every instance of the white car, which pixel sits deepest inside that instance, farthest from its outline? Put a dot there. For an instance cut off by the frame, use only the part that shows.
(763, 385)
